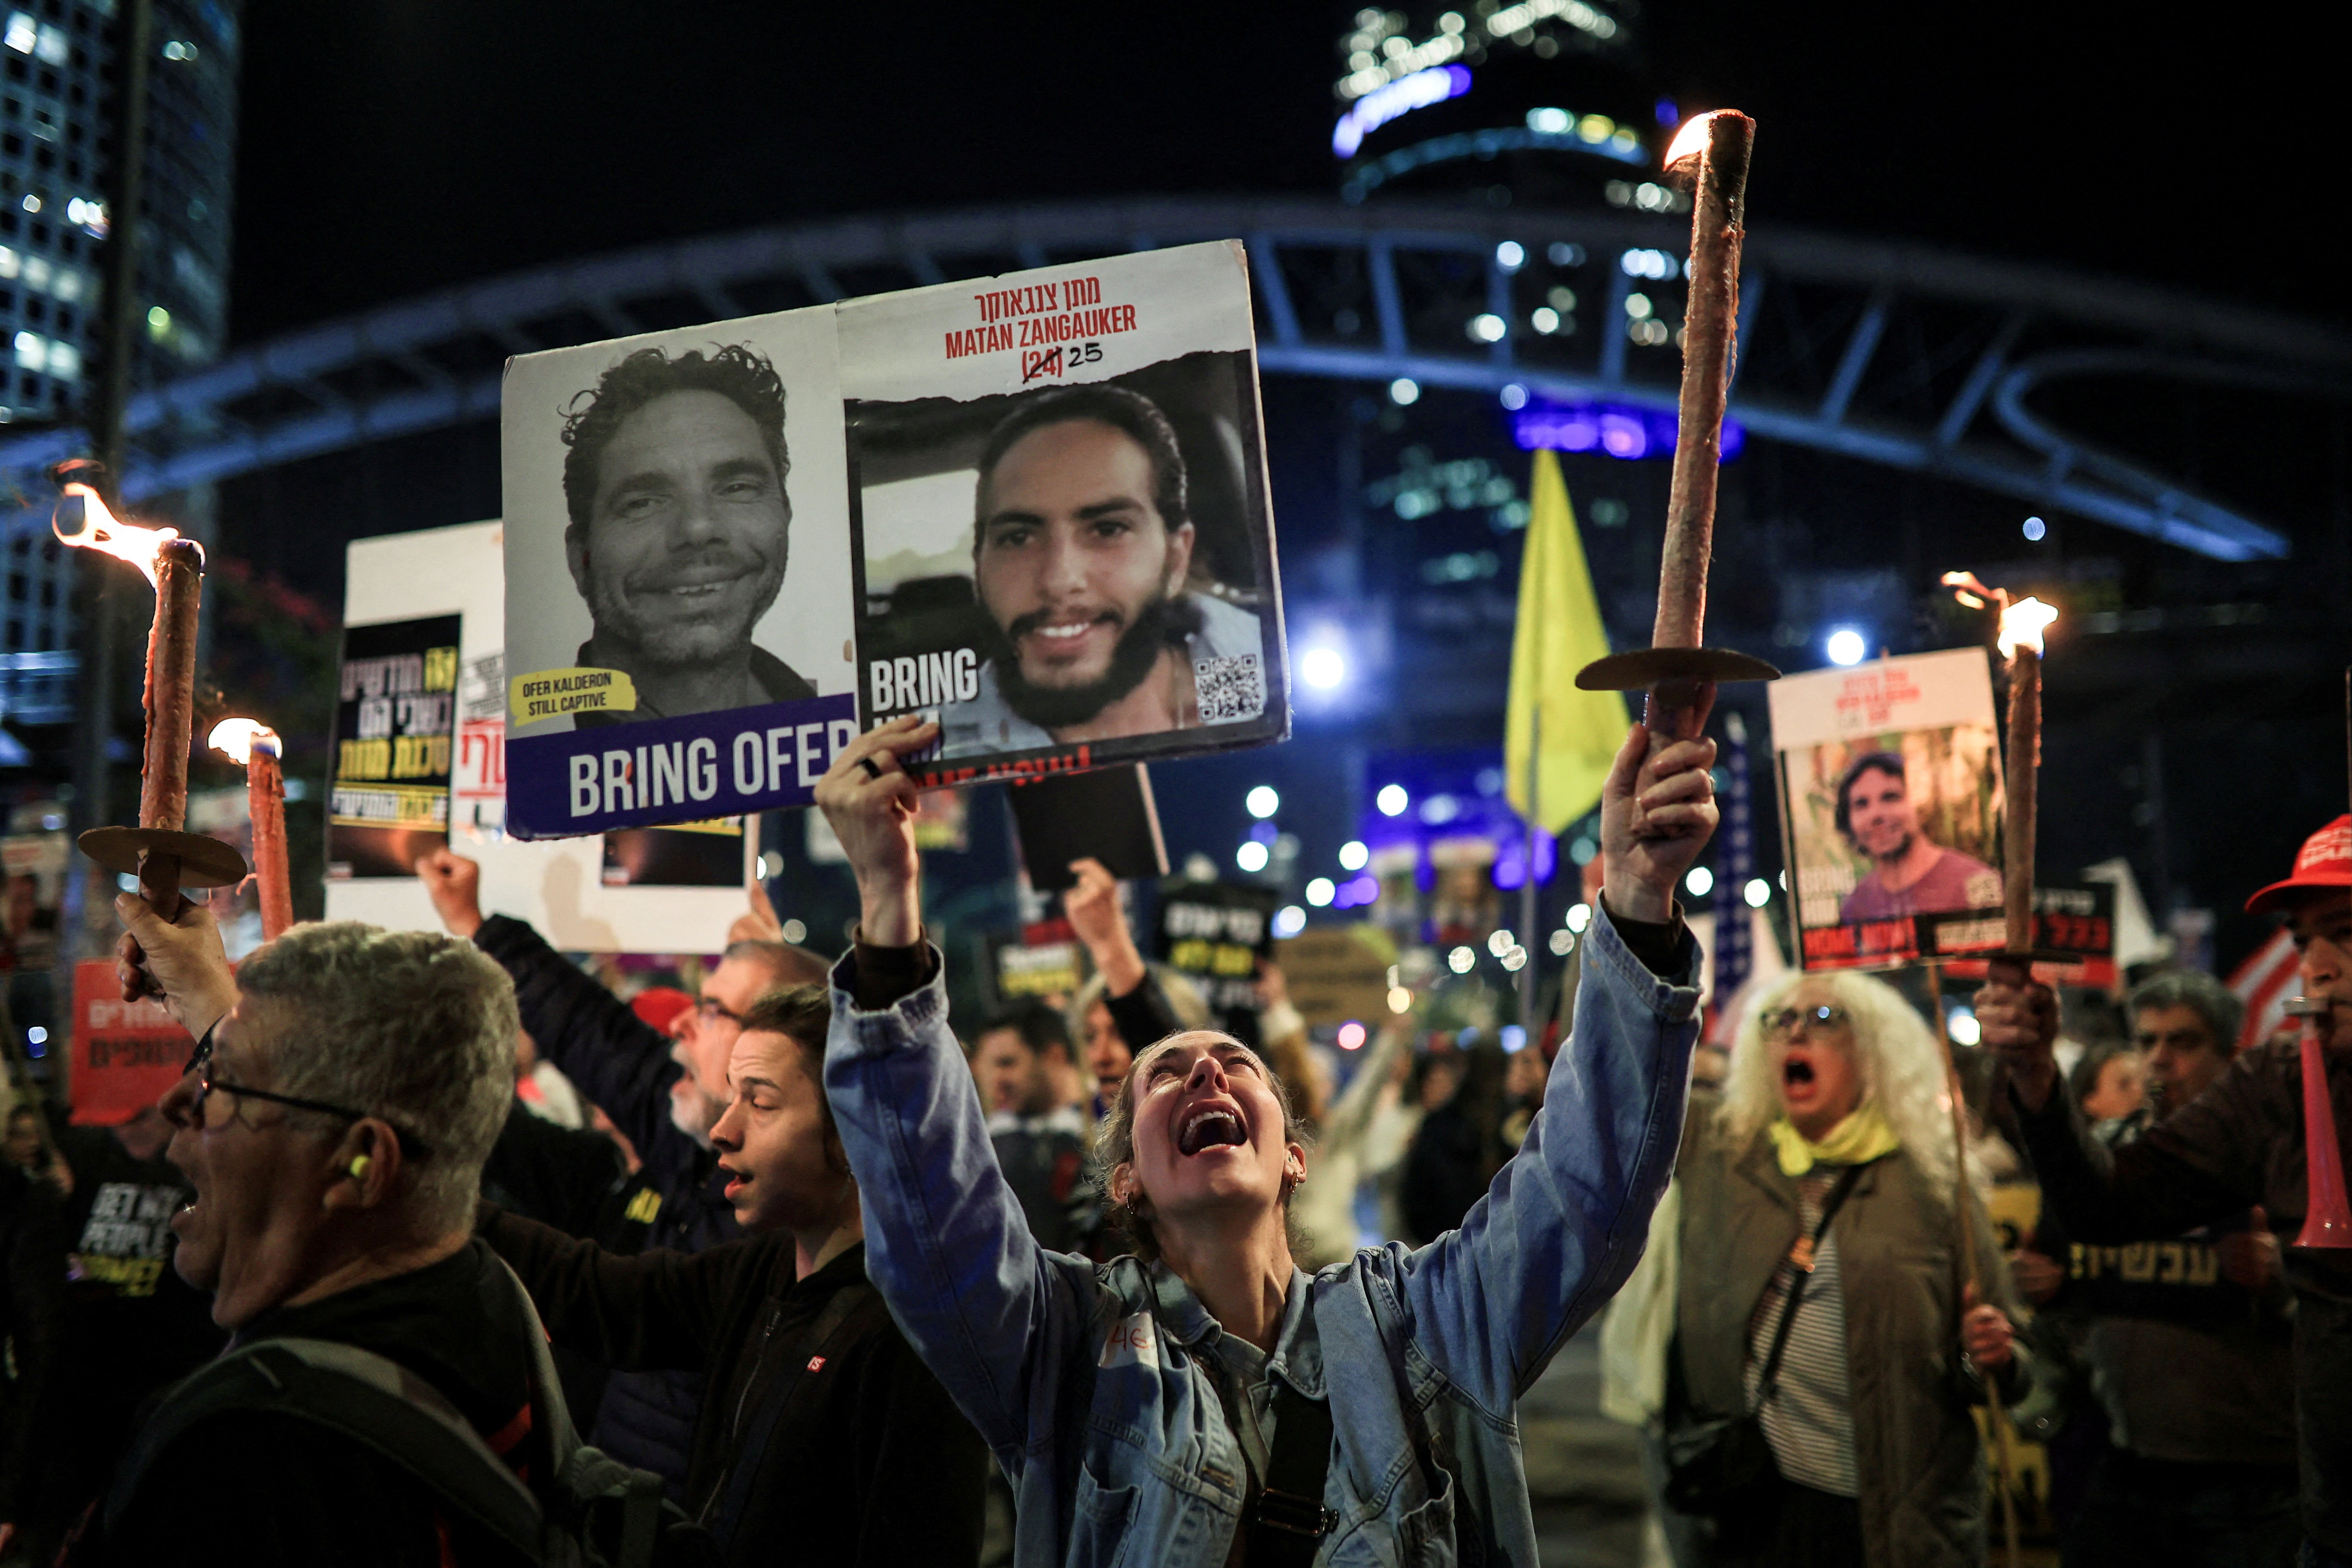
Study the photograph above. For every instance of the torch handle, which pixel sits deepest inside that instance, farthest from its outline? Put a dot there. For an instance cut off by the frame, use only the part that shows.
(1718, 214)
(2024, 773)
(171, 689)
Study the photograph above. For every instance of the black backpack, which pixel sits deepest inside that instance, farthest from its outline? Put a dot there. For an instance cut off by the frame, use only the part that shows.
(595, 1512)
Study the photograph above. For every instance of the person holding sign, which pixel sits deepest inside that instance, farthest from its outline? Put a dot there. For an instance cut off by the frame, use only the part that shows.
(1201, 1394)
(680, 529)
(1909, 874)
(1082, 559)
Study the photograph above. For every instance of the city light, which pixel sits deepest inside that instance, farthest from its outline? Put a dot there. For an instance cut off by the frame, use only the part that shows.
(2036, 530)
(1499, 942)
(1514, 396)
(794, 932)
(1461, 960)
(1846, 646)
(1289, 921)
(1759, 892)
(1700, 882)
(1545, 320)
(1324, 668)
(1515, 959)
(1251, 856)
(1579, 917)
(1512, 1038)
(1564, 942)
(1351, 1036)
(1393, 800)
(1394, 99)
(1404, 391)
(37, 1035)
(1320, 891)
(1353, 856)
(1263, 801)
(1963, 1027)
(1488, 327)
(1399, 999)
(1510, 255)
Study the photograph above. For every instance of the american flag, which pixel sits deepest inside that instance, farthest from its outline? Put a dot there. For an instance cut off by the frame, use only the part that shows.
(2264, 982)
(1734, 866)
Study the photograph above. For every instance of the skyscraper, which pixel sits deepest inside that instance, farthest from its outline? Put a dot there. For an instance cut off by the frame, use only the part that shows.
(56, 117)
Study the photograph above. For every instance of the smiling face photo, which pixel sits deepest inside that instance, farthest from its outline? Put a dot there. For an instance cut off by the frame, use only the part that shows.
(676, 529)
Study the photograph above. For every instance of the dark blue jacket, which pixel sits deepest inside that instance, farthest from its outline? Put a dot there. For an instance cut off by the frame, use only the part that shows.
(624, 1066)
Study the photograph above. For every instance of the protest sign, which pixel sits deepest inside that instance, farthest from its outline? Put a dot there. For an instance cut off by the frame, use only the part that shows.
(1891, 800)
(1065, 548)
(1032, 506)
(125, 1054)
(560, 887)
(1338, 974)
(1214, 933)
(678, 585)
(395, 720)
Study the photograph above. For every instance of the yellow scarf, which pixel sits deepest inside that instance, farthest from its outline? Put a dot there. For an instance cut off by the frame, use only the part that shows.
(1858, 1139)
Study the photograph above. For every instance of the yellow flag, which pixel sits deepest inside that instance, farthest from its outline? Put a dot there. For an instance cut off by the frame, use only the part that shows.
(1559, 633)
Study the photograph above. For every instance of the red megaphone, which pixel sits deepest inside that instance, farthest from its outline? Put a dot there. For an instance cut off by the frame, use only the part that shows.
(2328, 1219)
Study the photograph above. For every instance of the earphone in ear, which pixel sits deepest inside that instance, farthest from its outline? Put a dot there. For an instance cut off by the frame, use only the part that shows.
(359, 1167)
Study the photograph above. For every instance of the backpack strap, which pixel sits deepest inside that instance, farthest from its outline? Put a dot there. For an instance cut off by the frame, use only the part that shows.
(368, 1398)
(1802, 1256)
(852, 1306)
(1288, 1526)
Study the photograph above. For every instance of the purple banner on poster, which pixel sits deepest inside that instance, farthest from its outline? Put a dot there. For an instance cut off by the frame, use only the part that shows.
(656, 771)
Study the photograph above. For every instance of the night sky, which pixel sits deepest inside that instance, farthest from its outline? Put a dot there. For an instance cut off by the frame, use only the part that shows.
(393, 147)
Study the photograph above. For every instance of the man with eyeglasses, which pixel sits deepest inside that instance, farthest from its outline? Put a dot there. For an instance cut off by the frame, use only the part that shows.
(347, 1085)
(631, 1071)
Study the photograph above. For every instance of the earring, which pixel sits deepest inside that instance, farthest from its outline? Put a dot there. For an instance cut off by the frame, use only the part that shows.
(360, 1163)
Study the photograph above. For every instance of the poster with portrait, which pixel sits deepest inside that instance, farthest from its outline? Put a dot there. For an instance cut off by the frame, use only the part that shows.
(1059, 498)
(678, 583)
(396, 717)
(1891, 799)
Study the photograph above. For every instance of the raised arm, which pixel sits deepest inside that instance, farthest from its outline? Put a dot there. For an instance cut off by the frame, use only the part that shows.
(2200, 1165)
(1565, 1220)
(989, 1311)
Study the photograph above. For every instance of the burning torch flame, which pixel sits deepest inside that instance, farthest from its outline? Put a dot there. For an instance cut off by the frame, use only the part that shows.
(101, 530)
(1690, 140)
(1971, 593)
(2022, 624)
(237, 737)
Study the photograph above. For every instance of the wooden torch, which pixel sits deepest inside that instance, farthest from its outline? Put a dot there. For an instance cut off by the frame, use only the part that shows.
(159, 852)
(1710, 155)
(255, 747)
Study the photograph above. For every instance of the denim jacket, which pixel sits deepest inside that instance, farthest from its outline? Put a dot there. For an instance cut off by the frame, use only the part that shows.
(1095, 1386)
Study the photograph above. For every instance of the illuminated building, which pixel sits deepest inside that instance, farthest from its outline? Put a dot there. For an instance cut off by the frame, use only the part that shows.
(56, 71)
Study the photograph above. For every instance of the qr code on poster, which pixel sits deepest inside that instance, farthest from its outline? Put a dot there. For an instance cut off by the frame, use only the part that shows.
(1231, 689)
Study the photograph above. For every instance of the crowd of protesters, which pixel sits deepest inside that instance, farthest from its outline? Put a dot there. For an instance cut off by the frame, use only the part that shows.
(442, 1252)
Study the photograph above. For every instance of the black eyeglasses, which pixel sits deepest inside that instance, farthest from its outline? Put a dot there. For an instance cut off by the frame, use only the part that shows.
(1787, 1020)
(201, 1064)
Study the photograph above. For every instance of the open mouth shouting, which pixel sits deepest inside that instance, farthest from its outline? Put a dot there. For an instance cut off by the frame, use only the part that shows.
(1204, 1127)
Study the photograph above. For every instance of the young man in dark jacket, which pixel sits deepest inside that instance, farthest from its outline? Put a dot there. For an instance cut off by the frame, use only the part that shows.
(630, 1070)
(821, 1437)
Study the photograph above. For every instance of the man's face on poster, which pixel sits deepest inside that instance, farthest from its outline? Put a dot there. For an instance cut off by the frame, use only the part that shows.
(1072, 551)
(688, 532)
(1879, 815)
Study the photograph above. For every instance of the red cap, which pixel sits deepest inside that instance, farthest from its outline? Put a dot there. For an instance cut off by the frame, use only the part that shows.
(2325, 861)
(659, 1005)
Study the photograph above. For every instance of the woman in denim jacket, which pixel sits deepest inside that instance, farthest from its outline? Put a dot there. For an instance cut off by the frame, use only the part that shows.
(1134, 1405)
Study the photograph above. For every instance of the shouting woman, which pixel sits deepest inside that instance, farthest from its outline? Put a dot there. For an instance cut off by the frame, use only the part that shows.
(1810, 1282)
(1201, 1400)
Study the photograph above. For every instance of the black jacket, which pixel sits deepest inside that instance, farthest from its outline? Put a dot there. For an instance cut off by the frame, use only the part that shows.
(2238, 1144)
(870, 1463)
(259, 1489)
(624, 1066)
(33, 1256)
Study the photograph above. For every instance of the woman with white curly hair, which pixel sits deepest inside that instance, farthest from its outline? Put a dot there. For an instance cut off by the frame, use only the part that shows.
(1821, 1346)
